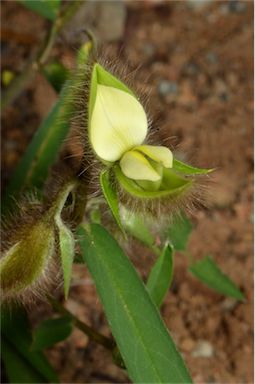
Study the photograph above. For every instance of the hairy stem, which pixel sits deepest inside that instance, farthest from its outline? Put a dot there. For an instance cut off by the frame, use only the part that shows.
(36, 63)
(86, 329)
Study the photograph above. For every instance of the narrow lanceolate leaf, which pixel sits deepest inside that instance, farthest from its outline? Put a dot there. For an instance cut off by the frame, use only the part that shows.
(147, 349)
(41, 152)
(136, 227)
(45, 8)
(179, 232)
(187, 169)
(161, 276)
(207, 271)
(51, 331)
(17, 343)
(110, 195)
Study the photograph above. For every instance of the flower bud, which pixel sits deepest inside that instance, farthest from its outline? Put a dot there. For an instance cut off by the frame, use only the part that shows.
(23, 267)
(36, 243)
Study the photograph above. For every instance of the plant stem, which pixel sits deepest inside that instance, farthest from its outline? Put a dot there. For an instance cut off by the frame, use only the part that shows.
(36, 63)
(90, 332)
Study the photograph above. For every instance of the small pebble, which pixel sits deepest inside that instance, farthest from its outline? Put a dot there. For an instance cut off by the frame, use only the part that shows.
(149, 49)
(203, 349)
(111, 20)
(237, 6)
(166, 87)
(212, 58)
(234, 6)
(228, 304)
(224, 9)
(198, 4)
(191, 69)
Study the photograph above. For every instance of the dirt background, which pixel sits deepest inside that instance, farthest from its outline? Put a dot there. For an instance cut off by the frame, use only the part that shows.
(194, 59)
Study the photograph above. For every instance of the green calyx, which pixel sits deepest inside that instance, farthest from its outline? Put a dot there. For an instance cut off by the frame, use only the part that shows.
(171, 185)
(172, 181)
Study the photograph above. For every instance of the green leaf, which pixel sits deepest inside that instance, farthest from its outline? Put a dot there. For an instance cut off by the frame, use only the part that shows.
(147, 349)
(51, 332)
(179, 232)
(45, 8)
(207, 271)
(56, 74)
(161, 276)
(110, 195)
(16, 331)
(17, 369)
(134, 224)
(41, 152)
(188, 169)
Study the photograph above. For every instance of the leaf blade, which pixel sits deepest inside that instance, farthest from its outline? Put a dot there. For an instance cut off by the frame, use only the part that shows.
(207, 271)
(41, 152)
(45, 8)
(18, 370)
(146, 347)
(15, 329)
(179, 231)
(51, 331)
(161, 276)
(110, 196)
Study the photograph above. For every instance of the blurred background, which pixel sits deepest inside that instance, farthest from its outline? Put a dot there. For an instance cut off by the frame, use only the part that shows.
(194, 60)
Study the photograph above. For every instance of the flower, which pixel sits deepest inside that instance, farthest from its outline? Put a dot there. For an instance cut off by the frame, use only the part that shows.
(118, 127)
(135, 174)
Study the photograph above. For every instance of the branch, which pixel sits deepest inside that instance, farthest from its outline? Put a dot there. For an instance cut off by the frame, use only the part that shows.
(36, 63)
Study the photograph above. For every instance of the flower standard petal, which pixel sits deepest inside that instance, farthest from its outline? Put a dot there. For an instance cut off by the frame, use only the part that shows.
(159, 154)
(118, 123)
(135, 166)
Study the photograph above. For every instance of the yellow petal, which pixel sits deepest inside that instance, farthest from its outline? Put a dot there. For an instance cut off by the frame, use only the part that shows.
(159, 154)
(135, 166)
(118, 123)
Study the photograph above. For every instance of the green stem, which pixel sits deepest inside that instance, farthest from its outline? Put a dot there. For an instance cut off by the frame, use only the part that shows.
(86, 329)
(36, 63)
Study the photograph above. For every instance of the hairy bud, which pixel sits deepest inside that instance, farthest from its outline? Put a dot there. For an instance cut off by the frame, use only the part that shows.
(37, 243)
(25, 266)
